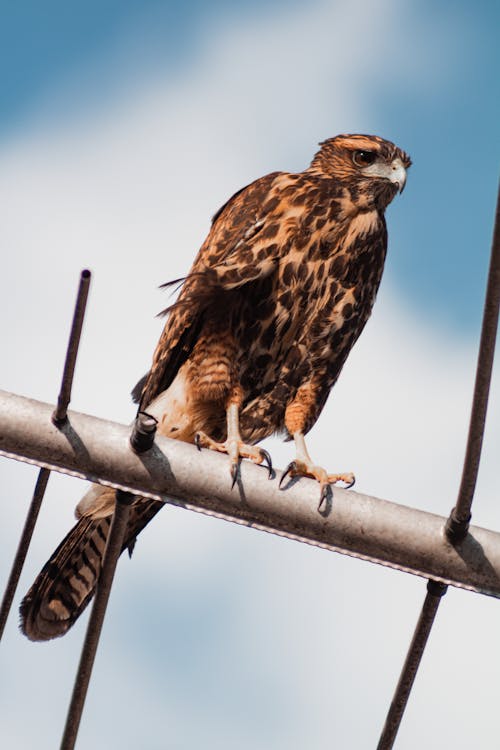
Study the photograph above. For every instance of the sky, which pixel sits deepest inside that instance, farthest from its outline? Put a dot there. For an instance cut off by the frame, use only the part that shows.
(123, 127)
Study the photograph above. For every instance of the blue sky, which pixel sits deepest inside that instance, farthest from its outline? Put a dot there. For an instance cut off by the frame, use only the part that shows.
(42, 44)
(123, 126)
(448, 122)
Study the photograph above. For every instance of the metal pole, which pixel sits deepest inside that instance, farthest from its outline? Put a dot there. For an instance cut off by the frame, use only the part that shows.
(359, 525)
(143, 432)
(94, 627)
(59, 416)
(435, 591)
(458, 522)
(22, 549)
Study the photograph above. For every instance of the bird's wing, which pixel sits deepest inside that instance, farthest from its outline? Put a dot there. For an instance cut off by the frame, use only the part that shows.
(241, 247)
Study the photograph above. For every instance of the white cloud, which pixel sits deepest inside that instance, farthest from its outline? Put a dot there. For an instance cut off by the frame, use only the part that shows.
(224, 631)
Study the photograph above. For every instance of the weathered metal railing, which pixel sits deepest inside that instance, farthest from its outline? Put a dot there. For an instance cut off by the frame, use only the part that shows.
(445, 551)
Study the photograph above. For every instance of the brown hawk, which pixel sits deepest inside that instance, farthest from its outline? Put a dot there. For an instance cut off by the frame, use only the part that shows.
(276, 297)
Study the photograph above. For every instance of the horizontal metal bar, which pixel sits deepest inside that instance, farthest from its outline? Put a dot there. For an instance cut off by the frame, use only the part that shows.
(458, 521)
(359, 525)
(435, 591)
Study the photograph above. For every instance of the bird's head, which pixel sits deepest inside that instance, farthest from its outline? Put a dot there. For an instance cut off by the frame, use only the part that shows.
(366, 164)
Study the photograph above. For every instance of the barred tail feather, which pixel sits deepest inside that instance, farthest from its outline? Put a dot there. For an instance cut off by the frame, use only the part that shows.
(67, 582)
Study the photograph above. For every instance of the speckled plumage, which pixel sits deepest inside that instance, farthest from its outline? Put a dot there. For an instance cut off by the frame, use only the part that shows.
(276, 298)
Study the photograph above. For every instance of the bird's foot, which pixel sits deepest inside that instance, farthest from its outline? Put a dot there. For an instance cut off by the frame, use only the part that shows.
(235, 449)
(302, 468)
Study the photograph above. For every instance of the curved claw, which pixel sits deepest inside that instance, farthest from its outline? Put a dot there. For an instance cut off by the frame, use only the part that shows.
(234, 474)
(347, 479)
(197, 441)
(266, 458)
(292, 466)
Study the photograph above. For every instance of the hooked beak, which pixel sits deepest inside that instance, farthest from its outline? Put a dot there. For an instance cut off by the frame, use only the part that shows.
(395, 172)
(398, 174)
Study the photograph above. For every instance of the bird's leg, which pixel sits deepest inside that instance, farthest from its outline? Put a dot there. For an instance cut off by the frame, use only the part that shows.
(237, 449)
(303, 466)
(298, 415)
(234, 445)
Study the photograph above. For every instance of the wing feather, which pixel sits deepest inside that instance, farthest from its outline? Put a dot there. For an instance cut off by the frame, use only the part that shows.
(235, 252)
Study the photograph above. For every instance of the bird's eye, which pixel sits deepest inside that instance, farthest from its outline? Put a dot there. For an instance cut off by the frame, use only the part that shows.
(364, 158)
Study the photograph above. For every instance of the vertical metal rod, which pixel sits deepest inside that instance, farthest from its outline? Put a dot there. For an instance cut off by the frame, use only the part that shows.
(59, 416)
(458, 522)
(23, 546)
(143, 432)
(435, 591)
(94, 627)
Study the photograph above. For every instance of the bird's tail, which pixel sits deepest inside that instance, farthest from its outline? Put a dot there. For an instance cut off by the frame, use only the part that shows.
(67, 581)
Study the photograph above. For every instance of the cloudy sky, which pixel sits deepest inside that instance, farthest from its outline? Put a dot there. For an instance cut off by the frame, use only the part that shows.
(123, 126)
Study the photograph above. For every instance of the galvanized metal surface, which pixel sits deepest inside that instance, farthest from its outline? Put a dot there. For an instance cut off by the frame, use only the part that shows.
(446, 551)
(355, 524)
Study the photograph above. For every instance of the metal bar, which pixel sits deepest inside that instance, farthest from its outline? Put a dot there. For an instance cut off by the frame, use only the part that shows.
(59, 415)
(143, 432)
(359, 525)
(22, 549)
(58, 418)
(435, 591)
(94, 627)
(457, 524)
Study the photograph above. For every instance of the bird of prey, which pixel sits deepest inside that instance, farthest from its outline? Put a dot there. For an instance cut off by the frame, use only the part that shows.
(277, 296)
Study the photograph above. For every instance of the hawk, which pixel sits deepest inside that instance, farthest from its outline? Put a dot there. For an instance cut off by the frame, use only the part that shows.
(277, 296)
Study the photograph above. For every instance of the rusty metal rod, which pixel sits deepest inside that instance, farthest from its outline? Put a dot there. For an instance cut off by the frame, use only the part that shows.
(22, 548)
(359, 525)
(435, 591)
(458, 521)
(94, 627)
(59, 415)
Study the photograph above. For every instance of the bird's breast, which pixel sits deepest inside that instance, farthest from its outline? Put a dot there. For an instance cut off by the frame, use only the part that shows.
(308, 313)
